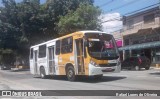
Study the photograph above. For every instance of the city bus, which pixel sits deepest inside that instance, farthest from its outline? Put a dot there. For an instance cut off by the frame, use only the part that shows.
(88, 53)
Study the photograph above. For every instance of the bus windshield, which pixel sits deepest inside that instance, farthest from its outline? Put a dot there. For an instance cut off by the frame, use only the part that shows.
(102, 46)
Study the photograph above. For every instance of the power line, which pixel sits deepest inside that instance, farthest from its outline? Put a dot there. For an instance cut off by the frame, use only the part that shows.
(114, 27)
(141, 9)
(119, 18)
(106, 3)
(129, 3)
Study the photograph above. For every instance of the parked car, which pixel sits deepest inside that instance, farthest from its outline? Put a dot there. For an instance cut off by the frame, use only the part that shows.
(5, 67)
(136, 62)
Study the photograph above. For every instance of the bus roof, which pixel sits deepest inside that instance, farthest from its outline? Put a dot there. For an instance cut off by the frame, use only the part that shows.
(81, 32)
(74, 33)
(91, 31)
(44, 43)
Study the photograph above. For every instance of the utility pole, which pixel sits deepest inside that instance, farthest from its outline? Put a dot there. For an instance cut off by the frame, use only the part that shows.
(159, 13)
(159, 4)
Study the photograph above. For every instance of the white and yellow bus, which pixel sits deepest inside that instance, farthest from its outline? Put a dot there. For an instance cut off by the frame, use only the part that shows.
(90, 53)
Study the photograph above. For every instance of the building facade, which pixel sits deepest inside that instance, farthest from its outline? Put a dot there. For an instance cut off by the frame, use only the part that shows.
(141, 34)
(118, 37)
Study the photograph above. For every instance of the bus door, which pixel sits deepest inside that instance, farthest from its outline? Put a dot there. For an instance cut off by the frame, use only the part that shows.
(35, 61)
(51, 60)
(79, 55)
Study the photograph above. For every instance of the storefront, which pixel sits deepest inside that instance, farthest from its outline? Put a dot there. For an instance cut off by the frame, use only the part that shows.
(119, 44)
(144, 42)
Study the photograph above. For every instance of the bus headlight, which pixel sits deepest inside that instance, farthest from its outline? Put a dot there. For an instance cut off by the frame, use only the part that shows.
(94, 63)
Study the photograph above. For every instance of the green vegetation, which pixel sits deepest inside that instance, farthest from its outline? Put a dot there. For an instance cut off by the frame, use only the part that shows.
(83, 18)
(29, 22)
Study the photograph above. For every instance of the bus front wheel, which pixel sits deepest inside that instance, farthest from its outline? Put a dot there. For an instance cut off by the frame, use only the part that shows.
(70, 73)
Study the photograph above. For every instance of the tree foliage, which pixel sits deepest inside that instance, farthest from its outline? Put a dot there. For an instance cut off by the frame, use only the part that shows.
(29, 22)
(84, 18)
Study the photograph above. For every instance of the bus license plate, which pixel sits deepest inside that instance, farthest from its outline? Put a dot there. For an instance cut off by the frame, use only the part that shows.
(108, 70)
(112, 61)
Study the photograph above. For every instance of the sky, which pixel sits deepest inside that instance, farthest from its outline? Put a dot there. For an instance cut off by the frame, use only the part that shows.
(114, 9)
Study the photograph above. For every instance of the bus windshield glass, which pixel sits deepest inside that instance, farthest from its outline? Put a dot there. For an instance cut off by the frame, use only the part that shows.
(101, 46)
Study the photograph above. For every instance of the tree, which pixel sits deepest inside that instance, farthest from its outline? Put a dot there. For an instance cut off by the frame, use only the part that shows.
(28, 22)
(57, 8)
(20, 25)
(86, 17)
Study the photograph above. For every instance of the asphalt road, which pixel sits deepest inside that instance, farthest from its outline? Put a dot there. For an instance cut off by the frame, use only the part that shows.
(126, 80)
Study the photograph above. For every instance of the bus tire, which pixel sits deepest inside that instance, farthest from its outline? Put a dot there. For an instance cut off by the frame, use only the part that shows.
(70, 73)
(147, 68)
(42, 72)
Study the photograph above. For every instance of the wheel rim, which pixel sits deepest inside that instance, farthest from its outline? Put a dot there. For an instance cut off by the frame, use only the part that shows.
(42, 73)
(70, 73)
(137, 67)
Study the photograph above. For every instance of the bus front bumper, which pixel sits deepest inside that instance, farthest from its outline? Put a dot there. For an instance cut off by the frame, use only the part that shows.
(103, 70)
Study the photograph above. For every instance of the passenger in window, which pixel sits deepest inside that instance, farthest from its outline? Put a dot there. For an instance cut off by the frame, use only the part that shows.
(107, 44)
(107, 47)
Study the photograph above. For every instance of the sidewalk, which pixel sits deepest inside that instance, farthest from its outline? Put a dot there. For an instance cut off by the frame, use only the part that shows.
(155, 65)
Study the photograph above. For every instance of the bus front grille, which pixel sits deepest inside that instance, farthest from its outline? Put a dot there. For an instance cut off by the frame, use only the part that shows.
(108, 65)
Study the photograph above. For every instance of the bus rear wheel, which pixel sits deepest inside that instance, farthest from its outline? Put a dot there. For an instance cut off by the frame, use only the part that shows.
(70, 73)
(42, 73)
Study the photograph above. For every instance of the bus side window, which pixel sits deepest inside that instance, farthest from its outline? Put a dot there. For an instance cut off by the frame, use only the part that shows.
(31, 53)
(42, 51)
(58, 47)
(67, 45)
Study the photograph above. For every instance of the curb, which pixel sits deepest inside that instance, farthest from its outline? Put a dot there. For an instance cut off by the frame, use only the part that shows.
(155, 65)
